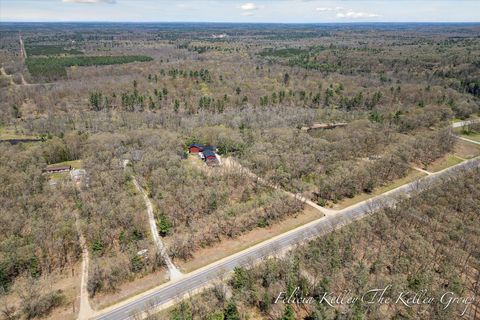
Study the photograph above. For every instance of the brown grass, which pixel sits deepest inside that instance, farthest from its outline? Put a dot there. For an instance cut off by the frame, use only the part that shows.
(227, 246)
(68, 283)
(411, 176)
(129, 289)
(443, 163)
(466, 150)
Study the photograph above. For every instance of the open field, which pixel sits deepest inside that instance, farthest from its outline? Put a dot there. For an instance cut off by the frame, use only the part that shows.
(442, 163)
(75, 164)
(466, 150)
(472, 136)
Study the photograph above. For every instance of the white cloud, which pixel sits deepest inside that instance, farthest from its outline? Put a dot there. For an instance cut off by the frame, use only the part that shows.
(347, 13)
(249, 6)
(327, 9)
(350, 14)
(324, 9)
(89, 1)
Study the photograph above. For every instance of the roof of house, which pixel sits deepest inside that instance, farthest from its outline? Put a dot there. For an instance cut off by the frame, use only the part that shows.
(213, 148)
(196, 145)
(208, 153)
(59, 168)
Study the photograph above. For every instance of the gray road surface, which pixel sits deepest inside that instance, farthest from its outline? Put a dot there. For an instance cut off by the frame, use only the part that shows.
(201, 278)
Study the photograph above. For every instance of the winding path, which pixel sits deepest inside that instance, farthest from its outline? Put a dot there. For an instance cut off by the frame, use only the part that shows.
(23, 52)
(172, 270)
(86, 310)
(170, 293)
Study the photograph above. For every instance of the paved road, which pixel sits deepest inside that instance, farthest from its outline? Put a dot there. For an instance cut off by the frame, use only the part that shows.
(464, 123)
(170, 292)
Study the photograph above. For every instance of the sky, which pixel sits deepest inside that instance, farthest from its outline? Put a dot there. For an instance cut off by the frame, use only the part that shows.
(282, 11)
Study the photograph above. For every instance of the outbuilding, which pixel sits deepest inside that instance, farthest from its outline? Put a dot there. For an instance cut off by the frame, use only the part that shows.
(58, 169)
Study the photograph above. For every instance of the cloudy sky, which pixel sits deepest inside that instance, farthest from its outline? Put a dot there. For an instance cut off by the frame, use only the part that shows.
(242, 11)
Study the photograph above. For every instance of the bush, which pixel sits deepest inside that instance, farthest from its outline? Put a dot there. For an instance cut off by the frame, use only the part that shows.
(136, 263)
(42, 306)
(164, 225)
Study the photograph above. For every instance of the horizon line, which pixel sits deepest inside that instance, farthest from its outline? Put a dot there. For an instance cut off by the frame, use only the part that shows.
(241, 22)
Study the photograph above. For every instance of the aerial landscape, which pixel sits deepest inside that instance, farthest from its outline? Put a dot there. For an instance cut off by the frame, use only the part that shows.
(164, 160)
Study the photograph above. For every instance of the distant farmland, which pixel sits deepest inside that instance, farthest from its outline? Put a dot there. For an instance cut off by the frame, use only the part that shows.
(53, 68)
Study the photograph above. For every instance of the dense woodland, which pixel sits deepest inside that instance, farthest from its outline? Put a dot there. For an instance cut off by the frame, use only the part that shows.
(408, 247)
(103, 94)
(54, 68)
(345, 161)
(38, 234)
(195, 208)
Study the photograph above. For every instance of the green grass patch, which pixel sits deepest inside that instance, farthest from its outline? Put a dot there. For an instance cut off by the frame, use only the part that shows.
(75, 164)
(468, 133)
(56, 176)
(475, 136)
(443, 163)
(455, 120)
(53, 68)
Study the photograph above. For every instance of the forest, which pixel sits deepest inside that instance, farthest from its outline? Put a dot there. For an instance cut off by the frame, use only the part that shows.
(53, 68)
(124, 102)
(407, 248)
(47, 50)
